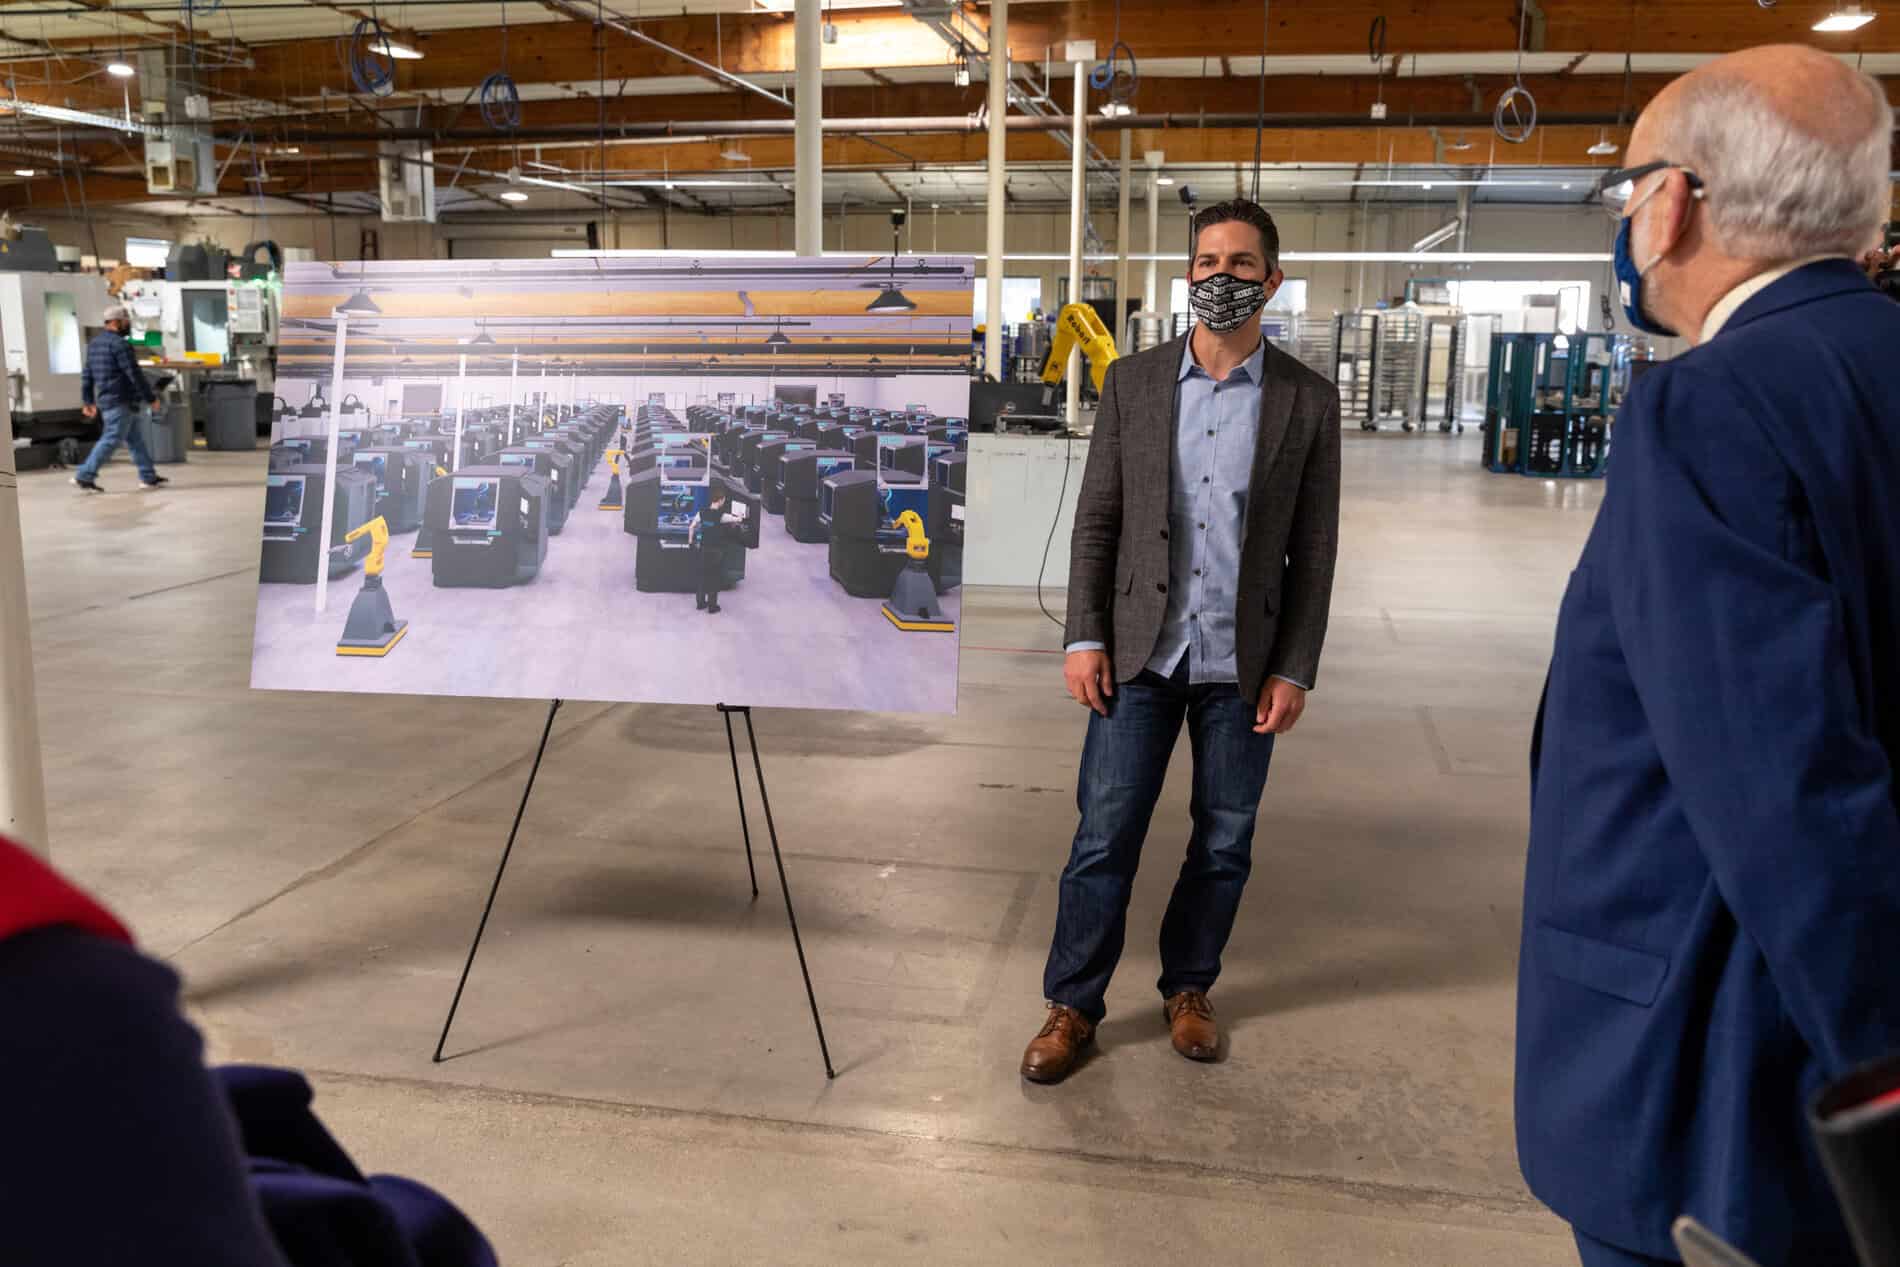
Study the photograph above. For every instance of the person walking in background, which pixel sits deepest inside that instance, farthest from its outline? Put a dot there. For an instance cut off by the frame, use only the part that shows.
(710, 532)
(1199, 587)
(111, 385)
(1712, 902)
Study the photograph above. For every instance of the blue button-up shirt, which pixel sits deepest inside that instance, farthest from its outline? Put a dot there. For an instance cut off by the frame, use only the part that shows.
(1215, 427)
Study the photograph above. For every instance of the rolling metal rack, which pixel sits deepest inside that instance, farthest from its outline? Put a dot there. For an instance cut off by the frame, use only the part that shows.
(1551, 403)
(1380, 367)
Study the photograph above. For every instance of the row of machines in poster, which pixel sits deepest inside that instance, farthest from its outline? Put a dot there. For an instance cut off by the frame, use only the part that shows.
(482, 516)
(834, 475)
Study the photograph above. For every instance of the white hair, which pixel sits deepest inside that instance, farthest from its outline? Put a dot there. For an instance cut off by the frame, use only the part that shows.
(1777, 191)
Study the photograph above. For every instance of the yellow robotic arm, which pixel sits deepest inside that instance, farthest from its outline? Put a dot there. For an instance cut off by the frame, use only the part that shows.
(378, 532)
(918, 546)
(1079, 326)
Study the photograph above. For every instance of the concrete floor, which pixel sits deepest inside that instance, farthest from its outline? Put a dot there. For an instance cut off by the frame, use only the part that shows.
(634, 1077)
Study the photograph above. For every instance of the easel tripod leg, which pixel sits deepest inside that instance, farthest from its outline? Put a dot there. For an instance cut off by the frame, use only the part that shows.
(739, 789)
(546, 729)
(791, 917)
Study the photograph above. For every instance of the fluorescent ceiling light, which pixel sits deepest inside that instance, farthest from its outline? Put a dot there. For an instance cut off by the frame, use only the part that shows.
(395, 50)
(786, 6)
(1847, 18)
(1604, 146)
(513, 195)
(1164, 180)
(1116, 109)
(123, 70)
(23, 171)
(733, 154)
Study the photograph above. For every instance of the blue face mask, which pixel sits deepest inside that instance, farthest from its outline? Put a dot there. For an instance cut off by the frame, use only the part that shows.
(1629, 283)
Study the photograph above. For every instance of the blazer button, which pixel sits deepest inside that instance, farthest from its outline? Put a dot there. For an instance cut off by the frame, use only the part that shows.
(1162, 586)
(1164, 534)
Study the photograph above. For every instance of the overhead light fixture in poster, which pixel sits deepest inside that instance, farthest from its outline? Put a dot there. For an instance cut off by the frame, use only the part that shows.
(663, 478)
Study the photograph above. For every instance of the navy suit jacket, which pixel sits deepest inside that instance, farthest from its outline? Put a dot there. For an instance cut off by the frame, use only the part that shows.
(1712, 903)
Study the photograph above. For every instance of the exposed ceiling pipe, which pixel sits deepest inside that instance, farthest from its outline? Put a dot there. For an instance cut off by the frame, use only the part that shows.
(607, 17)
(1442, 234)
(712, 129)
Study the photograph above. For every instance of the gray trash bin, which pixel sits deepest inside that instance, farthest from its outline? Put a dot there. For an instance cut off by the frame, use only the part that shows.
(168, 432)
(230, 415)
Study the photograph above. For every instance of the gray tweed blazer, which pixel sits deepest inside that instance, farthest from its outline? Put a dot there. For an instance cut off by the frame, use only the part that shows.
(1118, 569)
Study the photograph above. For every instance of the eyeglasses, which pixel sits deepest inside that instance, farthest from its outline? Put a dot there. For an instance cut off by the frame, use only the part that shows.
(1617, 188)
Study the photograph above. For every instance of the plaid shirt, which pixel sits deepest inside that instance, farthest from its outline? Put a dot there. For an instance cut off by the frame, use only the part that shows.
(111, 376)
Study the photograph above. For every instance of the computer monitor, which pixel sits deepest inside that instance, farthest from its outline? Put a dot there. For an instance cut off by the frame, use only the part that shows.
(298, 444)
(474, 503)
(825, 492)
(987, 400)
(283, 505)
(831, 466)
(678, 504)
(518, 459)
(376, 464)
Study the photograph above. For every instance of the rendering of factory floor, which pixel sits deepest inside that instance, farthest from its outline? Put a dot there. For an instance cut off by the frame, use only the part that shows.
(633, 1076)
(581, 630)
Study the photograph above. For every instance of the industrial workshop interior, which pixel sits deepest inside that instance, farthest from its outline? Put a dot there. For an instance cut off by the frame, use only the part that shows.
(1472, 422)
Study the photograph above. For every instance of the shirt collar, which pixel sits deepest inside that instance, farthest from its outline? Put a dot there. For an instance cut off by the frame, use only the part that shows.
(1732, 302)
(1253, 367)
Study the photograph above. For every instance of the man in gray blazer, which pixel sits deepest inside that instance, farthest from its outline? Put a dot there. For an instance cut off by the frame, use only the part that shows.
(1201, 572)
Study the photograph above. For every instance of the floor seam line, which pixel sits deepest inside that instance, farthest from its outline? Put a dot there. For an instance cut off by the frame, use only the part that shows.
(1370, 1192)
(357, 852)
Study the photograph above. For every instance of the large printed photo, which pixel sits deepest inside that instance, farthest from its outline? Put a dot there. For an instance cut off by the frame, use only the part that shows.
(659, 478)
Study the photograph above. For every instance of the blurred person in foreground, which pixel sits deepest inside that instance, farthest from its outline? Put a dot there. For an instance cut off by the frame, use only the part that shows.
(1712, 905)
(121, 1147)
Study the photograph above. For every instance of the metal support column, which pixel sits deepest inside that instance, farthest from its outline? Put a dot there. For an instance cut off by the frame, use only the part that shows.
(22, 784)
(1081, 53)
(1121, 248)
(996, 208)
(1152, 294)
(808, 149)
(514, 376)
(329, 464)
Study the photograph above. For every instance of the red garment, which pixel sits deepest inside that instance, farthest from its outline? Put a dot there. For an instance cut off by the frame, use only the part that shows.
(32, 895)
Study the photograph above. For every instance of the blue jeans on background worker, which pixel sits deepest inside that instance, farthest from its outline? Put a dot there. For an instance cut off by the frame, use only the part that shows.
(1124, 763)
(123, 424)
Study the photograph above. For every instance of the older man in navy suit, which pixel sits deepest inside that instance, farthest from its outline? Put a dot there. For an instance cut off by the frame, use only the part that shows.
(1712, 910)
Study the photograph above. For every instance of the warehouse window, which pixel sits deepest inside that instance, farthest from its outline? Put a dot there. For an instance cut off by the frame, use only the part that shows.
(147, 252)
(1021, 297)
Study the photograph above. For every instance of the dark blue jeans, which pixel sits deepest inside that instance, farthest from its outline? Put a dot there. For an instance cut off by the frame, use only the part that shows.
(1124, 761)
(121, 424)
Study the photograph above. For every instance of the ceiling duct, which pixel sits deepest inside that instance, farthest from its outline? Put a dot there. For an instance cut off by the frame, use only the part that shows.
(405, 179)
(179, 153)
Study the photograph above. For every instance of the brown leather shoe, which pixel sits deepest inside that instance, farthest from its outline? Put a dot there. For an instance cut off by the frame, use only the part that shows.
(1191, 1022)
(1054, 1051)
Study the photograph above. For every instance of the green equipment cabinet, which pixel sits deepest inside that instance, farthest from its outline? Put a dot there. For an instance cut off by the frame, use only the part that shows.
(1551, 403)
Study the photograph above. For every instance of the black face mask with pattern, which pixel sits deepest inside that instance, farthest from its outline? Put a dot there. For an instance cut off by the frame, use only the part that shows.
(1224, 303)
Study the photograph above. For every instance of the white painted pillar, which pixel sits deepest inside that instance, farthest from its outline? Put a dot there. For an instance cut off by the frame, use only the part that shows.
(808, 145)
(1081, 53)
(1121, 245)
(22, 782)
(329, 464)
(461, 398)
(996, 205)
(1152, 300)
(514, 376)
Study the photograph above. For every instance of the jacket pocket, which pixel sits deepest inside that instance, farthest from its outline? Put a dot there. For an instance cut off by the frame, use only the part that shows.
(1125, 581)
(1623, 972)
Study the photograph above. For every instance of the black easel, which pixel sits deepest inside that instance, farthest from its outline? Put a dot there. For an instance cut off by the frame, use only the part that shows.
(745, 826)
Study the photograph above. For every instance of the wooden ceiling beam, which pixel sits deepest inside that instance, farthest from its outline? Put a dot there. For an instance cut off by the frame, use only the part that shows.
(876, 40)
(353, 170)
